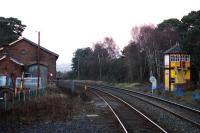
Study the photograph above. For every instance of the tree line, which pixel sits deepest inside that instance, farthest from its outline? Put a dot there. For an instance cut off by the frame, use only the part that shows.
(10, 30)
(143, 55)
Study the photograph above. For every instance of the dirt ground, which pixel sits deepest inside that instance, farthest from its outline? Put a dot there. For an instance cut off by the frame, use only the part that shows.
(57, 111)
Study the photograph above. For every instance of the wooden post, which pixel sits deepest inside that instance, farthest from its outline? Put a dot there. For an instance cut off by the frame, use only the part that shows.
(24, 94)
(99, 66)
(15, 91)
(13, 99)
(72, 87)
(5, 101)
(39, 92)
(78, 70)
(29, 95)
(19, 95)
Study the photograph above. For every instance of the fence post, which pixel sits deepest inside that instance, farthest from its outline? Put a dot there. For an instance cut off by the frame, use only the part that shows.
(5, 101)
(29, 95)
(39, 92)
(19, 96)
(72, 87)
(13, 99)
(24, 95)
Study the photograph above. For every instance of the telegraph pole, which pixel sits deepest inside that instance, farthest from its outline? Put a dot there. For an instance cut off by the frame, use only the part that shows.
(38, 63)
(99, 66)
(78, 69)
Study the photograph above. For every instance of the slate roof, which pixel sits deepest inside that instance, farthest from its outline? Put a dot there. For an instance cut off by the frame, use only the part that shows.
(175, 49)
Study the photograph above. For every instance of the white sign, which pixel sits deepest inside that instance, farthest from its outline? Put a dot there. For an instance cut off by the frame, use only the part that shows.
(153, 80)
(166, 60)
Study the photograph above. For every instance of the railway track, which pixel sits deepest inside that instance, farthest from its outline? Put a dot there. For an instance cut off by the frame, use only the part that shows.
(180, 118)
(187, 113)
(173, 117)
(130, 119)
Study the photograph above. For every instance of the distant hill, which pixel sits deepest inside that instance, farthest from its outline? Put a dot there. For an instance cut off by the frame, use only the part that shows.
(63, 67)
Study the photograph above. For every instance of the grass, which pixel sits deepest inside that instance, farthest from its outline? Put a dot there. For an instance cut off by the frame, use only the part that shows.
(141, 87)
(131, 86)
(55, 105)
(188, 98)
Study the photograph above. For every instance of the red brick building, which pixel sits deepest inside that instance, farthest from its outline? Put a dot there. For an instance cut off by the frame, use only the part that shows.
(22, 55)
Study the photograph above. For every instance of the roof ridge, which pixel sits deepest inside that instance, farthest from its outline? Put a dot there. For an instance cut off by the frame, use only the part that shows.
(175, 49)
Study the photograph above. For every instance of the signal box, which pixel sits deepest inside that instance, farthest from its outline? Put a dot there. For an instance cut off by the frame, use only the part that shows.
(177, 68)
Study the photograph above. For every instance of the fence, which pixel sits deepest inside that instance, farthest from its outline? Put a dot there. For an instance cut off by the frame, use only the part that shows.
(9, 97)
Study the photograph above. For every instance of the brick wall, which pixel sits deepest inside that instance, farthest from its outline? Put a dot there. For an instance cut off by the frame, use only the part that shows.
(26, 53)
(7, 67)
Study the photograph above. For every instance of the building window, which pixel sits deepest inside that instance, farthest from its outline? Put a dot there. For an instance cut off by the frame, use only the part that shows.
(23, 51)
(181, 58)
(178, 58)
(187, 58)
(184, 57)
(175, 58)
(172, 58)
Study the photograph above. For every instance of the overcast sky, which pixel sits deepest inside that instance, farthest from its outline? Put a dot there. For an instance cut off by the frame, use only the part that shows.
(66, 25)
